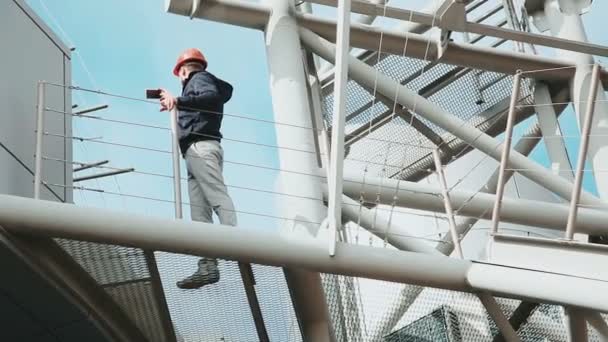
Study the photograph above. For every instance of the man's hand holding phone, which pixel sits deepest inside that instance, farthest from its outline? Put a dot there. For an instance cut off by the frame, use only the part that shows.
(167, 101)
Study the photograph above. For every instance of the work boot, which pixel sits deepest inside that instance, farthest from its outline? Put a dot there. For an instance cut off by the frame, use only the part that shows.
(207, 274)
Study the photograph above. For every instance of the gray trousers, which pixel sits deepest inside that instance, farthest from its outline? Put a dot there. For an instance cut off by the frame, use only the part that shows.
(206, 188)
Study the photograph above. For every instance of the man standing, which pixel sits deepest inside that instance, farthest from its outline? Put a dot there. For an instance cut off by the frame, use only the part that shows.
(200, 109)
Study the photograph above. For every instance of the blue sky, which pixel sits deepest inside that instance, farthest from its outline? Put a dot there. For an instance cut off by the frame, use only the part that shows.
(125, 47)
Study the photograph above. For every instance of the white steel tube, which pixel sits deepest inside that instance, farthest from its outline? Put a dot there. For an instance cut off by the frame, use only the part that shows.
(39, 136)
(474, 204)
(505, 328)
(447, 203)
(395, 233)
(177, 185)
(266, 247)
(368, 76)
(290, 103)
(51, 219)
(336, 162)
(582, 153)
(247, 14)
(506, 150)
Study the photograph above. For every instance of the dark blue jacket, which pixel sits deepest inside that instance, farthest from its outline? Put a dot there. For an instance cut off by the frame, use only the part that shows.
(200, 108)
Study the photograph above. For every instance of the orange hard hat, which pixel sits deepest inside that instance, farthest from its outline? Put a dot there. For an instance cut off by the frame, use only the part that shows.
(189, 55)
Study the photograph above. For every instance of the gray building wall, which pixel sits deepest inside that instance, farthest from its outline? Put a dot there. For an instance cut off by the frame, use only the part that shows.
(31, 52)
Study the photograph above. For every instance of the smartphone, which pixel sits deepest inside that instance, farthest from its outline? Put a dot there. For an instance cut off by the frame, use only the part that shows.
(153, 93)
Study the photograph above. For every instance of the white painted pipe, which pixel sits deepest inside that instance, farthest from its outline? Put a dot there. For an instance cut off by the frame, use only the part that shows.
(447, 203)
(474, 204)
(336, 161)
(24, 215)
(394, 232)
(240, 13)
(288, 87)
(51, 219)
(505, 328)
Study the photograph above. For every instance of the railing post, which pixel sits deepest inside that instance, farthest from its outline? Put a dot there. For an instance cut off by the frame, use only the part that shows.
(582, 152)
(506, 150)
(448, 205)
(336, 162)
(177, 185)
(39, 136)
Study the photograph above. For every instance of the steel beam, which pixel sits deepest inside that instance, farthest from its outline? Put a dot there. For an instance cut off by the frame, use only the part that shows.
(336, 161)
(449, 212)
(366, 75)
(288, 87)
(421, 47)
(49, 219)
(472, 204)
(503, 324)
(392, 232)
(240, 13)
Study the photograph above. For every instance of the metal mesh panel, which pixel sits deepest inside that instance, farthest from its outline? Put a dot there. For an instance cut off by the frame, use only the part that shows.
(220, 312)
(123, 273)
(137, 300)
(473, 96)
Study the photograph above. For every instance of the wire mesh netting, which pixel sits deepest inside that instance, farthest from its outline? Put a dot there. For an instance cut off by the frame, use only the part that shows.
(124, 275)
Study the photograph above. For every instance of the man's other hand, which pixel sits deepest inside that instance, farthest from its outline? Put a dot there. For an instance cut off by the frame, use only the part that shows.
(167, 101)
